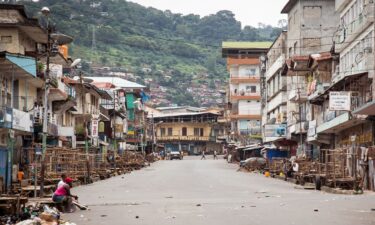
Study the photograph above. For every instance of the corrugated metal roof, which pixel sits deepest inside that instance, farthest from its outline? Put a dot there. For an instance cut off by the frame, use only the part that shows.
(118, 82)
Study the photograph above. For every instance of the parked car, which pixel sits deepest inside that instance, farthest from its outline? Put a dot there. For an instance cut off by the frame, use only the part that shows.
(175, 155)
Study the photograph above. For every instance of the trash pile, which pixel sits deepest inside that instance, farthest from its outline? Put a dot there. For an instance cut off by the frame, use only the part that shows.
(35, 215)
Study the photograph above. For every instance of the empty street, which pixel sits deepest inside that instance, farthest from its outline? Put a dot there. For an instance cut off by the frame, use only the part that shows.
(194, 191)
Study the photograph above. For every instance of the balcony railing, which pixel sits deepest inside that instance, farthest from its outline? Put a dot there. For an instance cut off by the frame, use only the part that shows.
(242, 95)
(244, 79)
(183, 138)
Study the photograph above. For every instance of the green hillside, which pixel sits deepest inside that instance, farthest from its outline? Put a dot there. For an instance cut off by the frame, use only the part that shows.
(179, 51)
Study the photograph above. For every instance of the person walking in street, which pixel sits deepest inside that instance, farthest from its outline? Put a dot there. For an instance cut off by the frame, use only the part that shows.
(203, 154)
(215, 155)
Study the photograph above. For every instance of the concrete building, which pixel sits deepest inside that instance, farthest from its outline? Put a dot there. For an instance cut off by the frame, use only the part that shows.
(244, 88)
(19, 84)
(128, 98)
(187, 129)
(352, 76)
(274, 117)
(311, 28)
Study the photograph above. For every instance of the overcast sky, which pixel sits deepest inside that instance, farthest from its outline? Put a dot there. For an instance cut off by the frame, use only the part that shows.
(249, 12)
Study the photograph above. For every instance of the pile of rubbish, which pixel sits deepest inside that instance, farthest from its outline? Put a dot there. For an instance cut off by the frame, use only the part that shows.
(254, 164)
(35, 215)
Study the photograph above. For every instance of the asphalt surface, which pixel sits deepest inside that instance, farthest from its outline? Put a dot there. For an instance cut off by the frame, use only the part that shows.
(212, 192)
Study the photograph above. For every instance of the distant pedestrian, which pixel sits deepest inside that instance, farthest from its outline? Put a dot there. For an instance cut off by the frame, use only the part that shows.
(215, 155)
(203, 155)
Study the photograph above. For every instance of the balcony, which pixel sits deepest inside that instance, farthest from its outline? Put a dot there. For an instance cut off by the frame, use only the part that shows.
(245, 96)
(183, 138)
(245, 117)
(56, 94)
(319, 90)
(365, 65)
(354, 29)
(87, 110)
(249, 79)
(22, 121)
(275, 67)
(299, 128)
(298, 95)
(278, 100)
(333, 122)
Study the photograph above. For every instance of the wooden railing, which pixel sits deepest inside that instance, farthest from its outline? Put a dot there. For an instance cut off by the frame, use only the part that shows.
(183, 138)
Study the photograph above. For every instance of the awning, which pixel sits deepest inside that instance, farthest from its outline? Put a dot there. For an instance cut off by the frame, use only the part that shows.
(367, 109)
(253, 148)
(18, 64)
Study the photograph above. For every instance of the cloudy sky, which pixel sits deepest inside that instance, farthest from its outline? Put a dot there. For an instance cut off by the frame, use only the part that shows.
(249, 12)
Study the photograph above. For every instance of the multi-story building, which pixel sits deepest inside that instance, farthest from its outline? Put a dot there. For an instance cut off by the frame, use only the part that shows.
(311, 26)
(351, 78)
(129, 98)
(186, 129)
(244, 88)
(20, 37)
(275, 105)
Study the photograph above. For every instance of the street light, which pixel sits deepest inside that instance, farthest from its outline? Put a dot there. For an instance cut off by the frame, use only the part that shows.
(58, 39)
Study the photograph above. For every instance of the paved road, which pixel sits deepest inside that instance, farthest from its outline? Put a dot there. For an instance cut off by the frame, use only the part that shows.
(195, 192)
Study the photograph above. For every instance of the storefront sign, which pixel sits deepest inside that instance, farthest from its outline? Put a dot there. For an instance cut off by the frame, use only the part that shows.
(22, 121)
(339, 101)
(275, 130)
(94, 128)
(312, 129)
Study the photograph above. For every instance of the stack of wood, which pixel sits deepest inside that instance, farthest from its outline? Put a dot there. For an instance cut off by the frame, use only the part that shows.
(276, 166)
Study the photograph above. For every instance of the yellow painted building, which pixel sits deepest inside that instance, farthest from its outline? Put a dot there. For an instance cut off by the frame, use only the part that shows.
(187, 131)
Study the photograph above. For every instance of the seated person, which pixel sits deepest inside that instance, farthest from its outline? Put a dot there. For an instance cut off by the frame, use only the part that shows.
(63, 196)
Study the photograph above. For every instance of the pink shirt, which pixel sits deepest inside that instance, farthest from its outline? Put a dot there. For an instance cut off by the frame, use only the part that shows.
(62, 190)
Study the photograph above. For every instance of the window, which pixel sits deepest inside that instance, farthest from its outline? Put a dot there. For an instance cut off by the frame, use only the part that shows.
(162, 132)
(252, 71)
(251, 89)
(6, 39)
(196, 131)
(184, 131)
(170, 131)
(201, 132)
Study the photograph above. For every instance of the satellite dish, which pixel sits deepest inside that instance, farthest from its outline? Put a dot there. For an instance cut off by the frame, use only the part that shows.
(61, 39)
(45, 11)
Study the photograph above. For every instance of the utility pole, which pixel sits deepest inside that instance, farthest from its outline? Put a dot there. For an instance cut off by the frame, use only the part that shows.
(263, 90)
(153, 133)
(46, 13)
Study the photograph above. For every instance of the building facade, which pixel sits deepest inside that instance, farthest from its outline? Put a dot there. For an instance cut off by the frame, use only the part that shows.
(186, 129)
(244, 92)
(311, 28)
